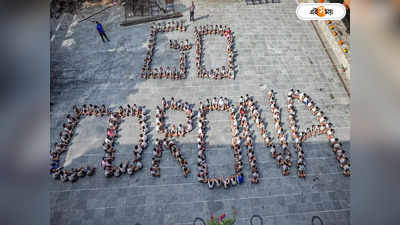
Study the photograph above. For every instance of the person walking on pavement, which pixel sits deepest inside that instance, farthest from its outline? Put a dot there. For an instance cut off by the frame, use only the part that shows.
(101, 31)
(192, 8)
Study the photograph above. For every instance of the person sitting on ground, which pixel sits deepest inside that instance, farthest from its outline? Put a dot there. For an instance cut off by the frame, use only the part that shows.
(238, 165)
(116, 171)
(65, 138)
(54, 166)
(201, 178)
(68, 128)
(233, 180)
(63, 176)
(301, 171)
(179, 105)
(137, 165)
(143, 137)
(172, 104)
(96, 111)
(254, 178)
(81, 172)
(111, 132)
(128, 110)
(240, 178)
(168, 72)
(76, 111)
(109, 153)
(72, 121)
(123, 166)
(55, 173)
(109, 139)
(130, 170)
(346, 169)
(300, 161)
(279, 159)
(221, 104)
(273, 151)
(144, 127)
(60, 147)
(105, 163)
(336, 146)
(90, 170)
(187, 45)
(174, 73)
(285, 170)
(85, 110)
(72, 176)
(186, 170)
(211, 183)
(226, 182)
(288, 160)
(155, 171)
(340, 153)
(342, 161)
(92, 110)
(181, 131)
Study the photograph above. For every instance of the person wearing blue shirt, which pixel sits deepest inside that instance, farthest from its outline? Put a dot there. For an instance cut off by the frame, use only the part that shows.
(240, 179)
(101, 31)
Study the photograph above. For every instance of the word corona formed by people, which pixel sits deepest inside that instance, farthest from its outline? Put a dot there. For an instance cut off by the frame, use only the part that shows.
(242, 138)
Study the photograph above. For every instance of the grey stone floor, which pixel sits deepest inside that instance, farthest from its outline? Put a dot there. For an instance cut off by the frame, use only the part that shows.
(275, 51)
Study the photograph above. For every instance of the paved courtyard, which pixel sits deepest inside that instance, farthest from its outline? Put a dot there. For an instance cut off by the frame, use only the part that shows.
(274, 51)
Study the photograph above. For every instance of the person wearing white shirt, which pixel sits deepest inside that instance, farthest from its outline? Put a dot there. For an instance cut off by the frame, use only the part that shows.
(300, 161)
(270, 93)
(285, 170)
(221, 104)
(143, 145)
(211, 183)
(301, 171)
(346, 170)
(274, 154)
(301, 96)
(290, 93)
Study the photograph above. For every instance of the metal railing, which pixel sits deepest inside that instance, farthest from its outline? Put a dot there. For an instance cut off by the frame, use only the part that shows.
(143, 8)
(198, 220)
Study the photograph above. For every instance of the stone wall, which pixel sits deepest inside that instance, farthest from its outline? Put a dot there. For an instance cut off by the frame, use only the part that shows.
(58, 7)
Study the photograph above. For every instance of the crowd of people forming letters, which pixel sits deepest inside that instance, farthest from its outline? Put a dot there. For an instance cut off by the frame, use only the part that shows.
(219, 73)
(284, 158)
(175, 131)
(115, 119)
(218, 104)
(241, 133)
(112, 134)
(324, 127)
(171, 72)
(166, 71)
(239, 119)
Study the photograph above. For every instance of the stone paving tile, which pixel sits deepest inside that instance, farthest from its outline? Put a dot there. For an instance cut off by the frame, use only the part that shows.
(274, 51)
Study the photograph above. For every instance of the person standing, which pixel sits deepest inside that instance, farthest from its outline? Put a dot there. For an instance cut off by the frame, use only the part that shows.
(101, 31)
(192, 8)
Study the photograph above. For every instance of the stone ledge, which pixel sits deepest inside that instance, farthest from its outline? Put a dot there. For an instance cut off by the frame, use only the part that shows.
(150, 19)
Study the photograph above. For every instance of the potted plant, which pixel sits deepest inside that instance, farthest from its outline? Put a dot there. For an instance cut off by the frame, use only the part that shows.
(222, 220)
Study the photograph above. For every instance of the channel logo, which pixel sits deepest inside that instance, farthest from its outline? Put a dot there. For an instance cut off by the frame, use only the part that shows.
(320, 11)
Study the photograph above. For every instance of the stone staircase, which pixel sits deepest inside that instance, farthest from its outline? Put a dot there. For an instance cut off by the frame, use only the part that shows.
(142, 11)
(142, 8)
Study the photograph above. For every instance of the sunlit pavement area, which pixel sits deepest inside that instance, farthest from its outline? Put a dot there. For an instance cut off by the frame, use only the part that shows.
(275, 51)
